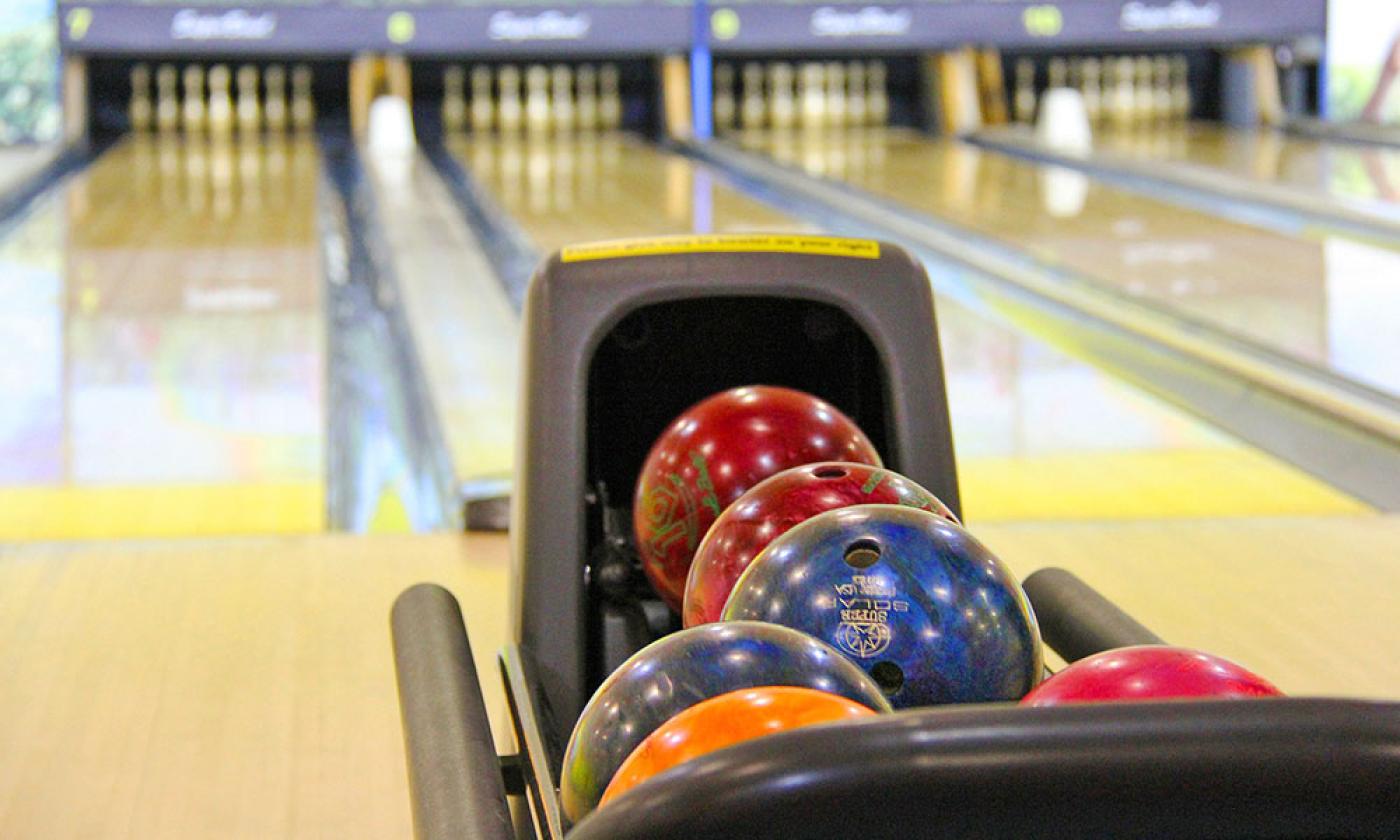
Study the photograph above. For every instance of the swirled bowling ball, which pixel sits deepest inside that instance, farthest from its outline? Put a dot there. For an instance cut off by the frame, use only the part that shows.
(720, 447)
(678, 671)
(726, 720)
(1149, 672)
(771, 508)
(915, 600)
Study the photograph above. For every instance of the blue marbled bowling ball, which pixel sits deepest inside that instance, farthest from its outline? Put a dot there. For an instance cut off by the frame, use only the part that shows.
(915, 600)
(676, 672)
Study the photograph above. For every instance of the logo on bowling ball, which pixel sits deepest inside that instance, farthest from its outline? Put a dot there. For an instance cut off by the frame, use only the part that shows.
(707, 486)
(672, 513)
(866, 603)
(863, 639)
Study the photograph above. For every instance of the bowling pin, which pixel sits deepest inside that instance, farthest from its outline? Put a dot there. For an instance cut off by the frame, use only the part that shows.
(609, 98)
(1123, 97)
(782, 106)
(510, 111)
(167, 98)
(1144, 98)
(220, 101)
(139, 110)
(1161, 88)
(483, 99)
(813, 95)
(1180, 88)
(561, 83)
(275, 102)
(303, 105)
(454, 99)
(724, 106)
(537, 98)
(835, 94)
(1023, 101)
(877, 98)
(1091, 88)
(248, 107)
(587, 80)
(855, 94)
(1058, 73)
(193, 110)
(754, 110)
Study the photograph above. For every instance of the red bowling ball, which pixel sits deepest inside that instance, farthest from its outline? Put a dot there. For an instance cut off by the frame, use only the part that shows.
(1149, 672)
(772, 507)
(719, 448)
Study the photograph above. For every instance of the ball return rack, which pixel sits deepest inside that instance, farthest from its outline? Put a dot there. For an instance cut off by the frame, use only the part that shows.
(621, 337)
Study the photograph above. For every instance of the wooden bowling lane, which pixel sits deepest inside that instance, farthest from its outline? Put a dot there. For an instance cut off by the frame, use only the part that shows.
(564, 189)
(1351, 172)
(1325, 300)
(172, 382)
(1039, 435)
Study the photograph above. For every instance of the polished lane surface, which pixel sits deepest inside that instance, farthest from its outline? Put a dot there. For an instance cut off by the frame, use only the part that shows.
(1363, 175)
(1325, 299)
(1039, 435)
(164, 309)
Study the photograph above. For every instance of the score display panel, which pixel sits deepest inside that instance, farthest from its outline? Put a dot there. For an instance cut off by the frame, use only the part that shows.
(446, 27)
(760, 25)
(343, 27)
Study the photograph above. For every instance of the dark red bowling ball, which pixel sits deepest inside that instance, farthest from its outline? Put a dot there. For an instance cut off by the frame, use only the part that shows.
(1149, 672)
(771, 507)
(716, 450)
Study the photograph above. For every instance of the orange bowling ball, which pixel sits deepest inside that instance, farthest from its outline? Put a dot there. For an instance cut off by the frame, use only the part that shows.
(725, 720)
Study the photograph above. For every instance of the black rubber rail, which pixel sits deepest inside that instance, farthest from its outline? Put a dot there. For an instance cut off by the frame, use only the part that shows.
(454, 776)
(1077, 621)
(1283, 767)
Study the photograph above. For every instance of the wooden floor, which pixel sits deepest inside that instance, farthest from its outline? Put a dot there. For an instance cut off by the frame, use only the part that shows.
(1039, 435)
(1307, 601)
(174, 334)
(1314, 296)
(245, 688)
(232, 689)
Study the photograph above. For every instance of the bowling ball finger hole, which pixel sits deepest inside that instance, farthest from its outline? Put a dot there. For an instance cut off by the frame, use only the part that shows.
(862, 554)
(829, 472)
(889, 676)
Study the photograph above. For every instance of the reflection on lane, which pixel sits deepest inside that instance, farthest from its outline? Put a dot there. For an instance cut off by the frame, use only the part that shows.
(1352, 172)
(596, 186)
(1301, 297)
(1039, 435)
(168, 305)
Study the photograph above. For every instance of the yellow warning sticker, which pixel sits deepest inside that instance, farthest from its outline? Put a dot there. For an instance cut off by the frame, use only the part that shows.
(829, 246)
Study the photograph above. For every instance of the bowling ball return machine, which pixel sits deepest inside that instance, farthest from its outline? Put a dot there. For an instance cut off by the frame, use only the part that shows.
(620, 338)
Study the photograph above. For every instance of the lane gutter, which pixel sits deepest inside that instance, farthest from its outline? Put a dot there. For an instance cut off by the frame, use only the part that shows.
(381, 427)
